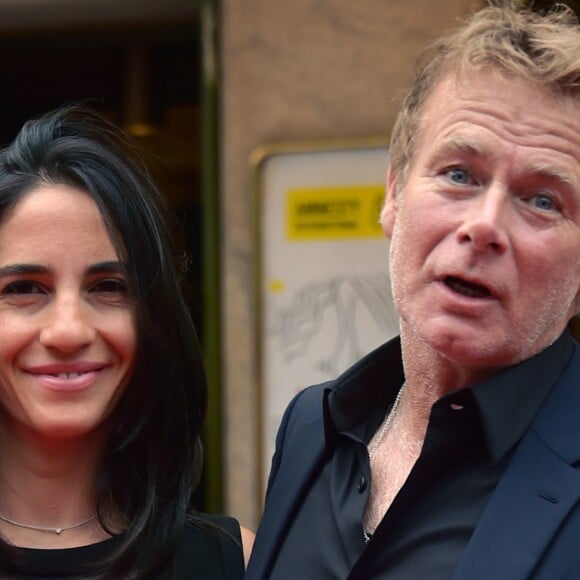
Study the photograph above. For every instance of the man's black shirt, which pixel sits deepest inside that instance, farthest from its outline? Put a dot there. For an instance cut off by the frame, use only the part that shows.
(470, 438)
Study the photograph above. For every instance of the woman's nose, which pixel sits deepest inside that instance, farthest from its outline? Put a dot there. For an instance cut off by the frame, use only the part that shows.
(67, 326)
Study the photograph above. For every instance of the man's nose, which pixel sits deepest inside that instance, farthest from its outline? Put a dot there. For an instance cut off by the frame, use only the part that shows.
(486, 221)
(67, 326)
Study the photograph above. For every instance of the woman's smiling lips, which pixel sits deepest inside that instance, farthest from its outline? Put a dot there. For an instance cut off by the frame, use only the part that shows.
(61, 377)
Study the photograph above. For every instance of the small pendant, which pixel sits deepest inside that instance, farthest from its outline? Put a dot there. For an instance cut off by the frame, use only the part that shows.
(58, 531)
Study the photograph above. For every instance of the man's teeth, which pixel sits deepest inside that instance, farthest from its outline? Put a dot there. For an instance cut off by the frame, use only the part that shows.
(69, 375)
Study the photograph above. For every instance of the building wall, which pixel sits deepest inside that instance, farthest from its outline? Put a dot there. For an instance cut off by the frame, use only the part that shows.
(292, 71)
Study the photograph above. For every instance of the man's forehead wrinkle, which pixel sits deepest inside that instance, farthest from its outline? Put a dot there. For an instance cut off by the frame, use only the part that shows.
(459, 131)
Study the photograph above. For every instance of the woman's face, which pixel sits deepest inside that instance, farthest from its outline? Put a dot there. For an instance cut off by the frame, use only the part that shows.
(67, 325)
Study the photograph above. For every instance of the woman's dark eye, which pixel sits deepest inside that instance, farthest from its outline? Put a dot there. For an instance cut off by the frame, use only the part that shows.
(460, 176)
(110, 286)
(23, 287)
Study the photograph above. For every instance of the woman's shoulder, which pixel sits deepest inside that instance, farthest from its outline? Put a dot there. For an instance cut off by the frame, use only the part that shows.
(212, 546)
(212, 523)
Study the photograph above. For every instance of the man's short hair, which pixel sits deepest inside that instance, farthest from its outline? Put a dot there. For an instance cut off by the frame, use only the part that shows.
(541, 48)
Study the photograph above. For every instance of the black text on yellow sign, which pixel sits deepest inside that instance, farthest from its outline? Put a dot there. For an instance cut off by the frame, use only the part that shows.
(340, 212)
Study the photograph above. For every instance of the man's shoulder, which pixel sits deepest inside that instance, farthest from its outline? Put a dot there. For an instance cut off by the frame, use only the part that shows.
(305, 407)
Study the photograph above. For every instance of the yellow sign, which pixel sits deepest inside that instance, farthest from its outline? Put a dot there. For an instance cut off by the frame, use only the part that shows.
(334, 212)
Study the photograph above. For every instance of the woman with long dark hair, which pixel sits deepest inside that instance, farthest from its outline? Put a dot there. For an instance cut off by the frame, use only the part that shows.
(102, 390)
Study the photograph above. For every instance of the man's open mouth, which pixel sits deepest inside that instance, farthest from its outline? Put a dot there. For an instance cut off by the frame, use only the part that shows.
(467, 288)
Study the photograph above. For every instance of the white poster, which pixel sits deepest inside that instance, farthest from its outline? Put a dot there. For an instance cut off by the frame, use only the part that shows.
(324, 297)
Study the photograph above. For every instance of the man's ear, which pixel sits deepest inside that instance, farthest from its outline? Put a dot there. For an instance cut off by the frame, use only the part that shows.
(389, 211)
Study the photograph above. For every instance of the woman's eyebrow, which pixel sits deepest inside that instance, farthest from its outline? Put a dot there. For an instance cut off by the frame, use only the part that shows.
(109, 267)
(19, 269)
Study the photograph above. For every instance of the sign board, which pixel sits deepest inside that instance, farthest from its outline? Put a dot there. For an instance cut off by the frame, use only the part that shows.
(323, 287)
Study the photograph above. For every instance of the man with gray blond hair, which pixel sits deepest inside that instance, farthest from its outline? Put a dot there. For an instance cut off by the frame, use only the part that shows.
(453, 451)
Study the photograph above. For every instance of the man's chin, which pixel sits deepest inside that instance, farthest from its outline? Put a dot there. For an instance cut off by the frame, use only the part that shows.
(472, 348)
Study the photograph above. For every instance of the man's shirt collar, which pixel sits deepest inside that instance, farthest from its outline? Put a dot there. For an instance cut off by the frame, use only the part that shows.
(507, 403)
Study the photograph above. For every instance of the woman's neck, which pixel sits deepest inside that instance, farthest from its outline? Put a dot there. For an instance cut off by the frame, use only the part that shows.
(48, 483)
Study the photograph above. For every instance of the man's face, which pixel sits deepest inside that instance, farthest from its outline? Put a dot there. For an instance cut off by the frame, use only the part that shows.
(485, 232)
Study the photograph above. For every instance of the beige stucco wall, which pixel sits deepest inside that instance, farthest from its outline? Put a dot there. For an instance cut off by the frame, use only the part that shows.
(296, 70)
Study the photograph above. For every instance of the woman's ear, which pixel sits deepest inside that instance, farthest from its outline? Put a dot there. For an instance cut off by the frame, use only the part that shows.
(389, 211)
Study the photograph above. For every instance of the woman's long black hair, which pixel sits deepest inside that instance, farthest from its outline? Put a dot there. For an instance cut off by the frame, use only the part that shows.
(152, 460)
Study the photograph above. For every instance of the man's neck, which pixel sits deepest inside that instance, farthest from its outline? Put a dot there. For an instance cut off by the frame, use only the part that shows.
(429, 375)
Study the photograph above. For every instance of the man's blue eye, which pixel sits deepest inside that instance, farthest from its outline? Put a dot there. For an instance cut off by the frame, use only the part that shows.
(542, 201)
(459, 176)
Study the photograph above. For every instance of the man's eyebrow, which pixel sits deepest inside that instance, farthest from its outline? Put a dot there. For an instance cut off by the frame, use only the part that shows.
(459, 145)
(545, 170)
(553, 173)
